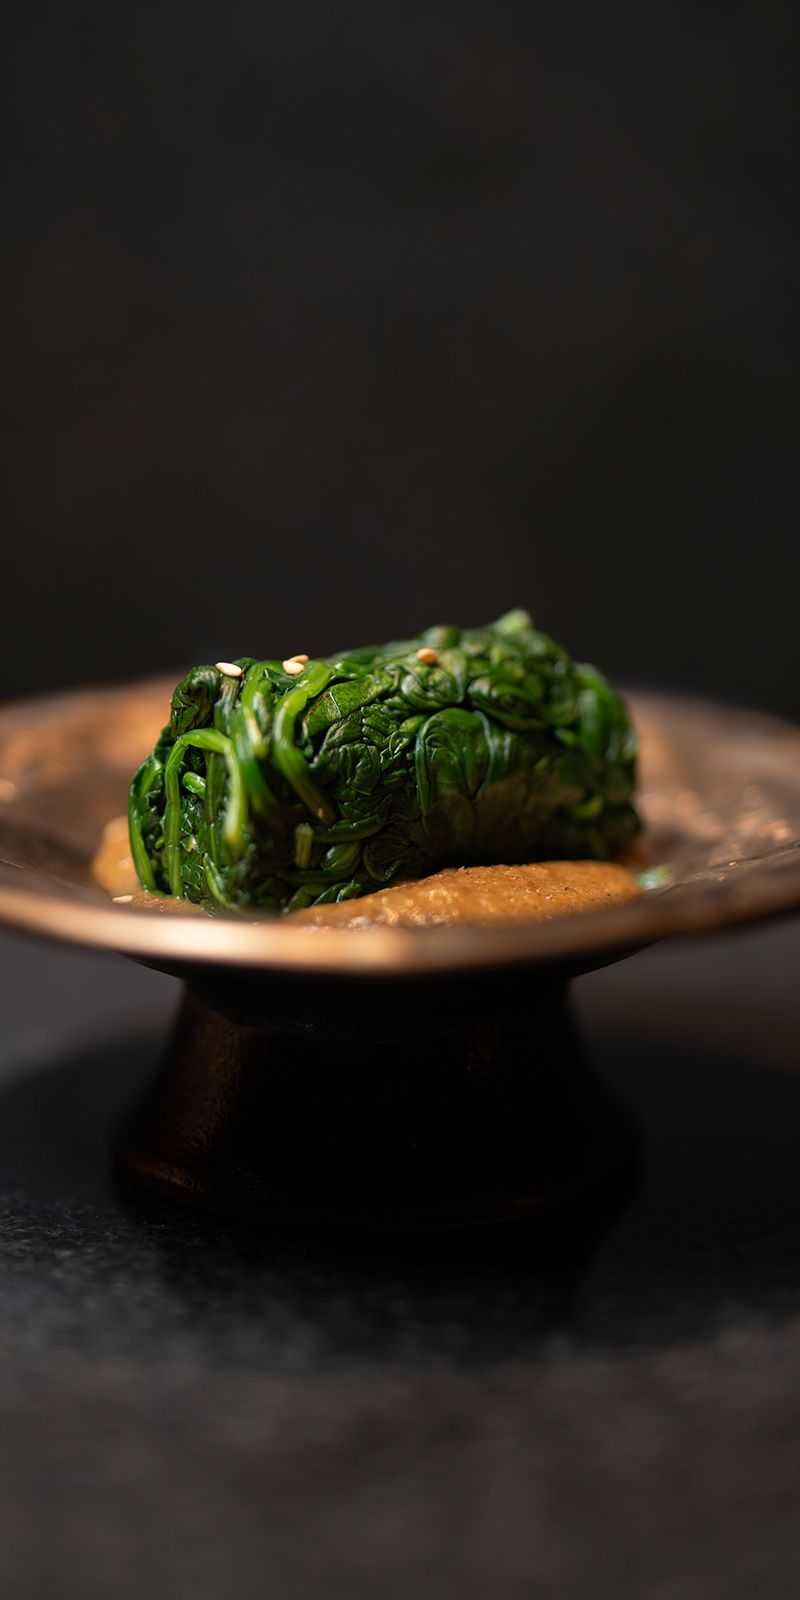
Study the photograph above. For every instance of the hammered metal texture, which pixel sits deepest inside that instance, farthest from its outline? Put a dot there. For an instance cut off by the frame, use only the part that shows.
(720, 796)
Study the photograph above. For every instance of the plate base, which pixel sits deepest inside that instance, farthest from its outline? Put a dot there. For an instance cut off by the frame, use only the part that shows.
(441, 1107)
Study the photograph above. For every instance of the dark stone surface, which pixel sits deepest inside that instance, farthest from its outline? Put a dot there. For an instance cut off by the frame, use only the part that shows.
(188, 1408)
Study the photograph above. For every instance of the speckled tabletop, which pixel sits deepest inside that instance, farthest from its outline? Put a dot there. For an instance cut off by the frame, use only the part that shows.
(190, 1410)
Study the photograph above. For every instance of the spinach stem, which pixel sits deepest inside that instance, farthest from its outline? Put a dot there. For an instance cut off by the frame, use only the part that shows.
(250, 745)
(288, 759)
(235, 822)
(142, 783)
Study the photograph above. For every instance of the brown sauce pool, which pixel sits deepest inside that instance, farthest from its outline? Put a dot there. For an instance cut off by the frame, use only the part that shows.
(538, 892)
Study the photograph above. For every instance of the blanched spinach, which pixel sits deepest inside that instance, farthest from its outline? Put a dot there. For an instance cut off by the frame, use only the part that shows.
(279, 789)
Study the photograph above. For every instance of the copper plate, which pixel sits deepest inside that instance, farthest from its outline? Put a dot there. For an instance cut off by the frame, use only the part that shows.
(720, 797)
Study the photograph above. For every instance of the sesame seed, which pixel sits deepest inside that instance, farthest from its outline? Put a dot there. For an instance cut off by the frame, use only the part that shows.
(427, 656)
(293, 667)
(228, 669)
(123, 899)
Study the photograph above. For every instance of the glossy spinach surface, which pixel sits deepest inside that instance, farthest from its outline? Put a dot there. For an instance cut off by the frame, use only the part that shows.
(280, 789)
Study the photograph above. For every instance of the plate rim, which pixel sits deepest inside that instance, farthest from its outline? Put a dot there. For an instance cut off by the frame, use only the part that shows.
(714, 901)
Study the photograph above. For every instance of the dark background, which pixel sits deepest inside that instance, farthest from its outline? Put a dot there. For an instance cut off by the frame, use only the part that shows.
(321, 322)
(324, 322)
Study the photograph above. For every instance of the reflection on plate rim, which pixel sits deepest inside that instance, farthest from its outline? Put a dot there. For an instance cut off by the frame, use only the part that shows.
(718, 897)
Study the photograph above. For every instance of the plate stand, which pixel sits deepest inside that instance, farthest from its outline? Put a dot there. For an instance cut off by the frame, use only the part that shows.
(365, 1105)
